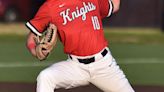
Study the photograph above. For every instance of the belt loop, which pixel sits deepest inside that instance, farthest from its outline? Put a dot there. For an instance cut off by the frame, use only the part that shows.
(70, 56)
(104, 52)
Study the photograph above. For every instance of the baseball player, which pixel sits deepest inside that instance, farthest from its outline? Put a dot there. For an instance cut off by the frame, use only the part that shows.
(80, 29)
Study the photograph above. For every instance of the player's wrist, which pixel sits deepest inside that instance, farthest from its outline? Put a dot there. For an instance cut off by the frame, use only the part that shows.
(31, 47)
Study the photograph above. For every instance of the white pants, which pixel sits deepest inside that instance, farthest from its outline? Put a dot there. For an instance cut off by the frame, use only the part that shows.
(103, 73)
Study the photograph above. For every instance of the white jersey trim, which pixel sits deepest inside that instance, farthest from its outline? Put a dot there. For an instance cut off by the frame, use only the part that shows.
(33, 29)
(110, 8)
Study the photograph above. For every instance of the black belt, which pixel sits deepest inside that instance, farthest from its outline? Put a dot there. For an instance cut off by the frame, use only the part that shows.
(92, 59)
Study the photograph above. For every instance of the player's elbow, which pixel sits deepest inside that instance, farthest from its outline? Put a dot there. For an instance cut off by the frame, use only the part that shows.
(116, 5)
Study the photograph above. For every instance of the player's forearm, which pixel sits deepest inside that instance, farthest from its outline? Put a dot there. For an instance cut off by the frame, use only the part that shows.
(31, 44)
(116, 4)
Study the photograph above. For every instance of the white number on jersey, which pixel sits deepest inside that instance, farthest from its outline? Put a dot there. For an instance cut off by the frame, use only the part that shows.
(95, 22)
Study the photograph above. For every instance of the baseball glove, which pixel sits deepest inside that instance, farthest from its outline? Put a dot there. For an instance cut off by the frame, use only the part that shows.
(46, 42)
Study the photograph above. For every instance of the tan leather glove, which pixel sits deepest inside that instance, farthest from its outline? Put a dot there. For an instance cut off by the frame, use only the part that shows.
(46, 43)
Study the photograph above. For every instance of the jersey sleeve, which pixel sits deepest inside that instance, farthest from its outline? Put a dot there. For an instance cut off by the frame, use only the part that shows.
(39, 23)
(106, 8)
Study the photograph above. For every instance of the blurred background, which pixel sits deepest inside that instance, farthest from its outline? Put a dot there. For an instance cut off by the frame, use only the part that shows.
(135, 35)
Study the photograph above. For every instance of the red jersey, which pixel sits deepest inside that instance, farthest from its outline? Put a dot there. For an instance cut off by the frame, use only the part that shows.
(79, 23)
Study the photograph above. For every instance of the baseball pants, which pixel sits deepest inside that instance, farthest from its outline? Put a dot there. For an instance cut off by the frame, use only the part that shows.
(103, 73)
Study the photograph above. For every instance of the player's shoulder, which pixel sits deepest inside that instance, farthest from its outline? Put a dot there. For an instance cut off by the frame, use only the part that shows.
(51, 3)
(47, 4)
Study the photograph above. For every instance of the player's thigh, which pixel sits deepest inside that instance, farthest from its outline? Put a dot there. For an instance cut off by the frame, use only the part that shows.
(112, 79)
(65, 74)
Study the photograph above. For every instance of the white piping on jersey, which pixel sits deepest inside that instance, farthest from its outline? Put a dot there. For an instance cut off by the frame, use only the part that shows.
(110, 8)
(67, 17)
(33, 29)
